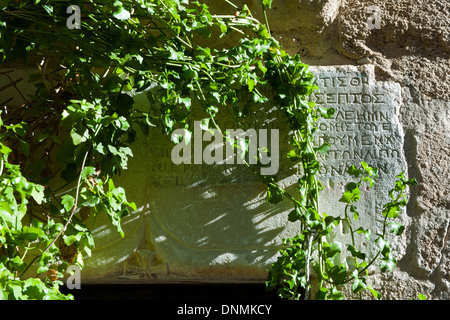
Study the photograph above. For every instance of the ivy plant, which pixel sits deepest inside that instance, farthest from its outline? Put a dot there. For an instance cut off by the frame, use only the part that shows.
(62, 148)
(289, 274)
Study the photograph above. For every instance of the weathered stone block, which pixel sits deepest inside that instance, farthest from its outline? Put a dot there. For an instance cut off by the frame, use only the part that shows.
(201, 221)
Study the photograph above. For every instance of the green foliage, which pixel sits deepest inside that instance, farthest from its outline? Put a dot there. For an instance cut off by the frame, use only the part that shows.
(421, 296)
(12, 288)
(61, 149)
(333, 271)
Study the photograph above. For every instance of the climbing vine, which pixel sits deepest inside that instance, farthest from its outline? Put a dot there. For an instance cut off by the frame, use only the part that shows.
(61, 149)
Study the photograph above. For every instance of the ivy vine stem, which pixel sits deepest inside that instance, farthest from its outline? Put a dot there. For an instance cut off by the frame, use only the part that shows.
(383, 235)
(231, 4)
(68, 220)
(310, 238)
(347, 220)
(266, 20)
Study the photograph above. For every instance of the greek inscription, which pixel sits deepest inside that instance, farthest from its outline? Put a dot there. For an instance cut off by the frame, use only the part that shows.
(352, 115)
(340, 169)
(342, 98)
(360, 130)
(378, 98)
(362, 127)
(354, 82)
(331, 97)
(347, 98)
(361, 154)
(342, 81)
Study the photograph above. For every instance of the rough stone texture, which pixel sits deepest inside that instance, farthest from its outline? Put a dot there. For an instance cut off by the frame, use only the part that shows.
(412, 48)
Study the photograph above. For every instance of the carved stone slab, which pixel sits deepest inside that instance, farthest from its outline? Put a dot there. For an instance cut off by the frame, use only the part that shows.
(365, 127)
(212, 221)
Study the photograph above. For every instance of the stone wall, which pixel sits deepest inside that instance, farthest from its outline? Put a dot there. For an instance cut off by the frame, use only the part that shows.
(215, 225)
(409, 54)
(411, 48)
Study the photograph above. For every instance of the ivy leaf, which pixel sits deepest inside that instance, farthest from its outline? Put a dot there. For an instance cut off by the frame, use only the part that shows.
(351, 186)
(338, 274)
(68, 202)
(132, 205)
(186, 102)
(214, 97)
(333, 250)
(242, 145)
(32, 233)
(329, 220)
(388, 263)
(358, 285)
(326, 113)
(38, 193)
(292, 155)
(16, 263)
(88, 171)
(353, 171)
(4, 149)
(321, 294)
(175, 55)
(204, 125)
(383, 245)
(335, 294)
(91, 201)
(294, 215)
(16, 291)
(355, 212)
(367, 233)
(76, 138)
(397, 228)
(274, 195)
(391, 210)
(251, 84)
(371, 171)
(122, 123)
(203, 54)
(356, 253)
(69, 240)
(323, 148)
(351, 194)
(412, 182)
(122, 14)
(346, 197)
(375, 293)
(189, 74)
(267, 3)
